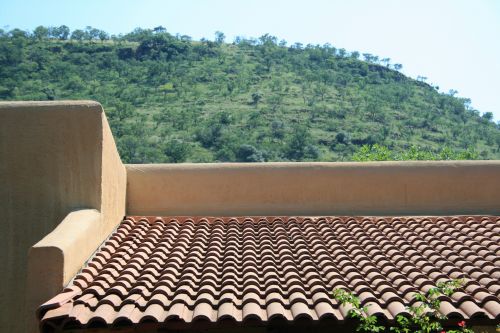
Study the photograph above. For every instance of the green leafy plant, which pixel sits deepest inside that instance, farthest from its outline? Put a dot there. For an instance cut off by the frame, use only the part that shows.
(378, 152)
(367, 323)
(424, 315)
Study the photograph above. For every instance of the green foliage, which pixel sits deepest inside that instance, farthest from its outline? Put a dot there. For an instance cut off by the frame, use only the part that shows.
(171, 99)
(381, 153)
(256, 97)
(299, 145)
(424, 313)
(176, 150)
(367, 323)
(248, 153)
(373, 153)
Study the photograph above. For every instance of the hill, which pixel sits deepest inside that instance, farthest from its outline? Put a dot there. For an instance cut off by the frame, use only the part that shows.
(171, 99)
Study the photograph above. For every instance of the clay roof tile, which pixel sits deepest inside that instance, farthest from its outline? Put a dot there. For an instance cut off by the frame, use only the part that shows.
(161, 270)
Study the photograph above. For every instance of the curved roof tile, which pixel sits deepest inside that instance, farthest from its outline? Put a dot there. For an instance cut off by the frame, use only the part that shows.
(187, 269)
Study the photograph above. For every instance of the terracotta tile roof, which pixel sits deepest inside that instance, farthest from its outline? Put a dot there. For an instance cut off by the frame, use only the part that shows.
(188, 269)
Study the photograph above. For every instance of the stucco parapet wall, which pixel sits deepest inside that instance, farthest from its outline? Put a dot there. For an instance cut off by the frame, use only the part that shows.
(57, 157)
(339, 188)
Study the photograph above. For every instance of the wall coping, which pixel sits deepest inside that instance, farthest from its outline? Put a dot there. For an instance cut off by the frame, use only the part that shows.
(150, 167)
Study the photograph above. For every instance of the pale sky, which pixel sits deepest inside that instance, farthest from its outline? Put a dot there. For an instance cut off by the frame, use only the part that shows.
(454, 43)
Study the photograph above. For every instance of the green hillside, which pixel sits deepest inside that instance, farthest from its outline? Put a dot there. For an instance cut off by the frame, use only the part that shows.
(171, 99)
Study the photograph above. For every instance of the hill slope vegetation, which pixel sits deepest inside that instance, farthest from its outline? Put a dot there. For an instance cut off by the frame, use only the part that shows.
(171, 99)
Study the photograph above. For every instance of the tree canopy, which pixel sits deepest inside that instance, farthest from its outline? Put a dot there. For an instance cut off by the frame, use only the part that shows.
(171, 99)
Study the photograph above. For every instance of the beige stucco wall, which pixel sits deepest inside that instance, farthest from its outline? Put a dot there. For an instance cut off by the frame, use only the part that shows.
(377, 188)
(55, 158)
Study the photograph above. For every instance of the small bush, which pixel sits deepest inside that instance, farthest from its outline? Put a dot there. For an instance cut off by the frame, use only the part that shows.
(424, 314)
